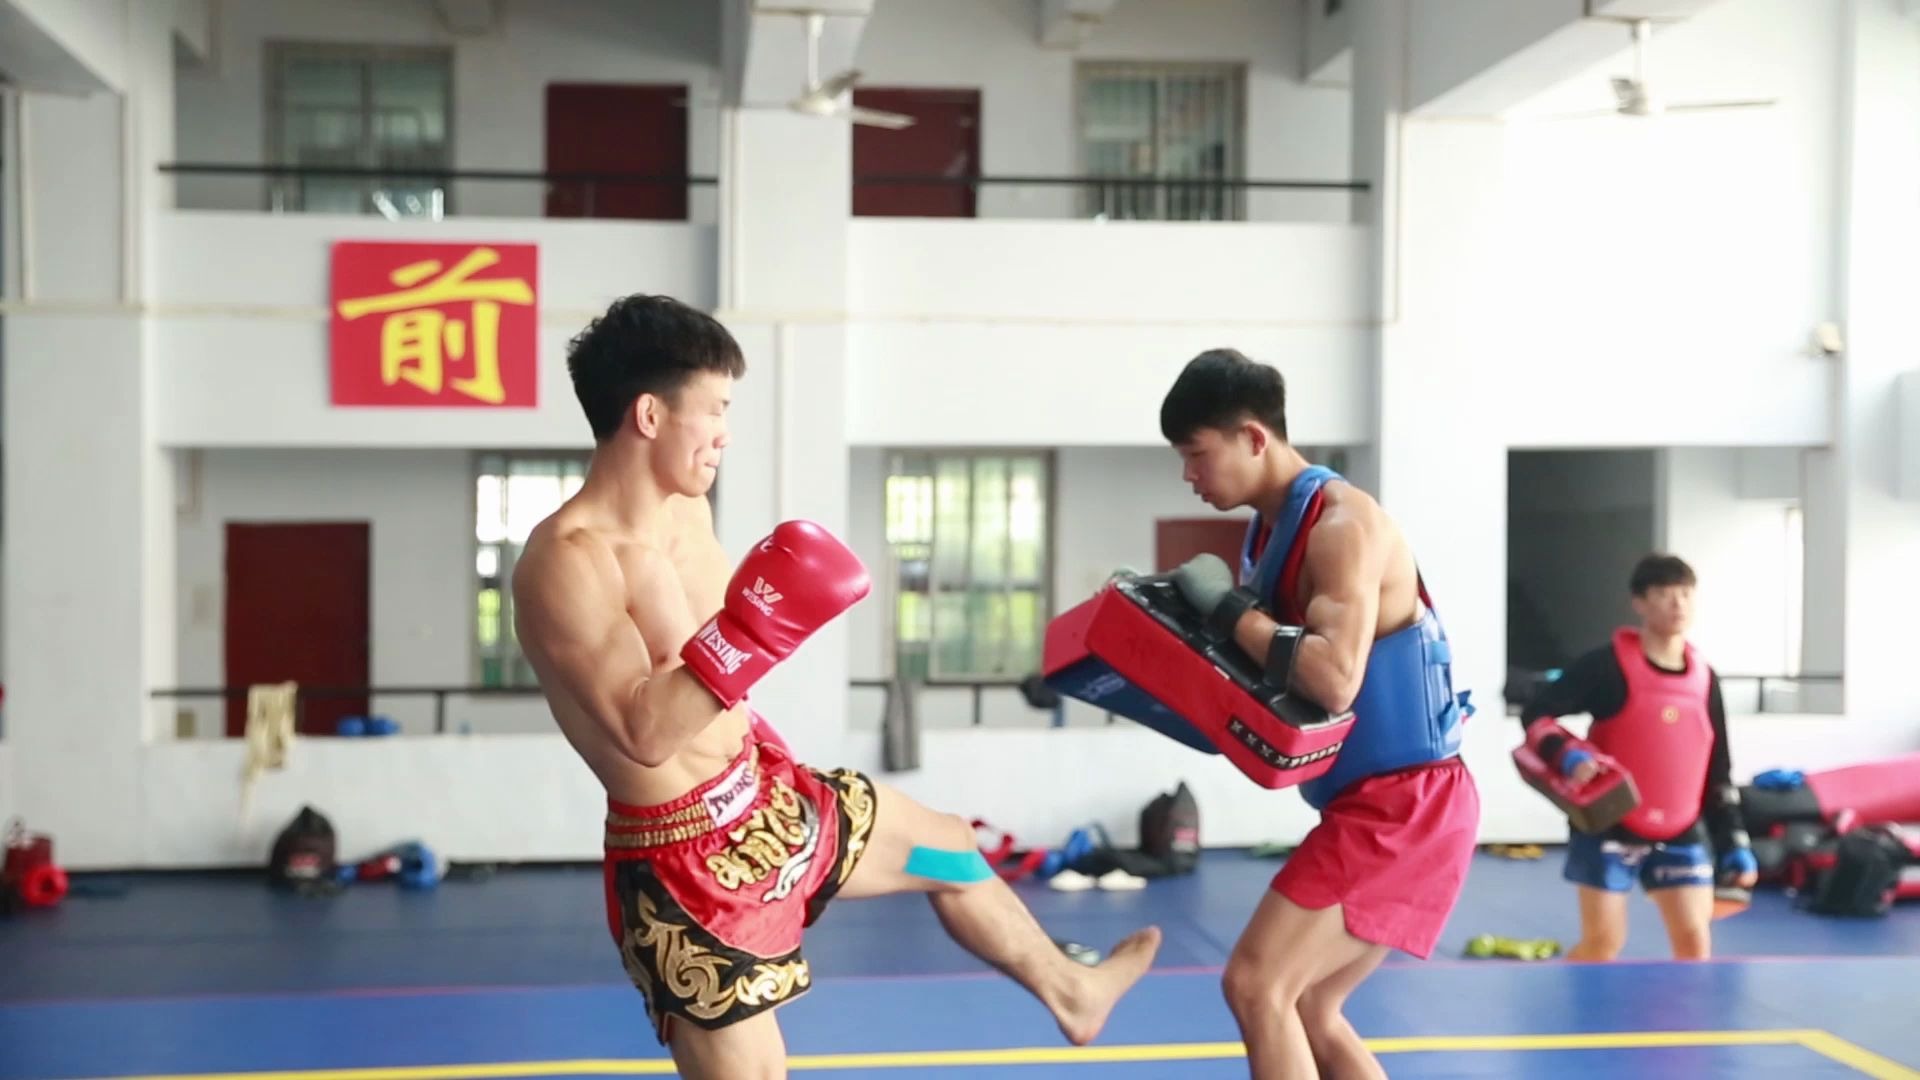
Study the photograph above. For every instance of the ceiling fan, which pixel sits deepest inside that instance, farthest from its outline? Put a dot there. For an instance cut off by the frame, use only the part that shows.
(823, 98)
(1634, 96)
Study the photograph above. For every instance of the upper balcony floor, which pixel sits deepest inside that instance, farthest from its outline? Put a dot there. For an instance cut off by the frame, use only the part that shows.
(1120, 158)
(1142, 110)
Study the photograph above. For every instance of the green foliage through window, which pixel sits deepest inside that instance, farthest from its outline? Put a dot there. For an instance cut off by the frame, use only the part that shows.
(969, 538)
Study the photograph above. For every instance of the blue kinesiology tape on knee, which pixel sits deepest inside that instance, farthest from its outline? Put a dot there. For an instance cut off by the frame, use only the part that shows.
(960, 867)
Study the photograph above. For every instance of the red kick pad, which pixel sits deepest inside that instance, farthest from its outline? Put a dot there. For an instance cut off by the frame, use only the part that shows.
(1138, 650)
(1878, 792)
(1592, 807)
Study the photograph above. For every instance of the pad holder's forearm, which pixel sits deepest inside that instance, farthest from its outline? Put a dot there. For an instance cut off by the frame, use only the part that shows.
(1138, 649)
(1592, 807)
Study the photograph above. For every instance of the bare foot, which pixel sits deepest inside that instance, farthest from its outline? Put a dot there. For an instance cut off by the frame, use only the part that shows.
(1083, 1009)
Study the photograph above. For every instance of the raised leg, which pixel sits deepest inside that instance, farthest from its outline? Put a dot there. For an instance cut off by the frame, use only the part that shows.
(982, 914)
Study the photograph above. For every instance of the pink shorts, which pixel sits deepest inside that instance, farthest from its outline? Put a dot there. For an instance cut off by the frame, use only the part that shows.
(1393, 852)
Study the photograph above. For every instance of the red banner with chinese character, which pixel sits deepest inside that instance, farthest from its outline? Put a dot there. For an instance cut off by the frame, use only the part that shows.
(435, 324)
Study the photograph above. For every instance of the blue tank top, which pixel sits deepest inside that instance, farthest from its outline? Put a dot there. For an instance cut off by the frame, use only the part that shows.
(1407, 713)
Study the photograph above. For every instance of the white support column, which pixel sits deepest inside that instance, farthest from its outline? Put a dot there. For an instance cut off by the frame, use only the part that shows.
(1439, 280)
(785, 208)
(1437, 262)
(1823, 633)
(77, 579)
(1433, 390)
(1882, 533)
(89, 559)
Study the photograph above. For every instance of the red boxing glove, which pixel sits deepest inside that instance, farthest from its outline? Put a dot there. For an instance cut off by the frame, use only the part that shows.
(790, 585)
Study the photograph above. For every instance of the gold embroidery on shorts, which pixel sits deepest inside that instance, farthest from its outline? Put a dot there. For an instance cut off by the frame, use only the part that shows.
(696, 977)
(657, 837)
(802, 860)
(694, 820)
(696, 812)
(784, 831)
(856, 798)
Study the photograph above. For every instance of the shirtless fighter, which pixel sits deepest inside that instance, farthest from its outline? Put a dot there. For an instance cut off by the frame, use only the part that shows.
(1330, 602)
(720, 847)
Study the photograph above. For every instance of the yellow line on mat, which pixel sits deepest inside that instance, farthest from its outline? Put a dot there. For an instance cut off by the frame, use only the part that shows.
(1857, 1057)
(1819, 1042)
(1593, 1040)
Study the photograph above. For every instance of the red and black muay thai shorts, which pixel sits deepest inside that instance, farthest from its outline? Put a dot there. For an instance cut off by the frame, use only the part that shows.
(707, 895)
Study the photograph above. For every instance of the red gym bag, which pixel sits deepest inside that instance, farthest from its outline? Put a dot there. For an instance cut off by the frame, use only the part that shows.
(29, 873)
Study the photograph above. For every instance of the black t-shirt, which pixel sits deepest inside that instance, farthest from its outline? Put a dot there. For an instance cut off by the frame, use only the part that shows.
(1595, 685)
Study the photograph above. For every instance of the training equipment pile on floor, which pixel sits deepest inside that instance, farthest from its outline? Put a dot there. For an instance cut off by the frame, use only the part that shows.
(1845, 839)
(1089, 859)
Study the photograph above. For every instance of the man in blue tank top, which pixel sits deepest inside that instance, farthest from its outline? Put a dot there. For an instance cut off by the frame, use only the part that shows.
(1330, 602)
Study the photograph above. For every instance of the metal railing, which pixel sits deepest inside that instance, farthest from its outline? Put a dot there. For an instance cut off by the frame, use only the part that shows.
(1157, 198)
(303, 694)
(368, 172)
(1521, 690)
(586, 193)
(1102, 198)
(1761, 684)
(1116, 183)
(976, 689)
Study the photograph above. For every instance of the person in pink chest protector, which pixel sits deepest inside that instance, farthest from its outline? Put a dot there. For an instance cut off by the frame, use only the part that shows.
(1656, 710)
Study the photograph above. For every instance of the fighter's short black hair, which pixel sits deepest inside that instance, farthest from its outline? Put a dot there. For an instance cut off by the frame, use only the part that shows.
(1655, 570)
(645, 345)
(1219, 389)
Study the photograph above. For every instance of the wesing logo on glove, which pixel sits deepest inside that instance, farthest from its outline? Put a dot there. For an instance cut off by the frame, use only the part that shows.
(761, 596)
(729, 655)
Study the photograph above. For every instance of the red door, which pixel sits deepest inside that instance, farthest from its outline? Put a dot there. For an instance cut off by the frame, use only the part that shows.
(627, 129)
(297, 599)
(944, 141)
(1175, 540)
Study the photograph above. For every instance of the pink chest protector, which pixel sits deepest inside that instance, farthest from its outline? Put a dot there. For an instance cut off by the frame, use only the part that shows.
(1663, 738)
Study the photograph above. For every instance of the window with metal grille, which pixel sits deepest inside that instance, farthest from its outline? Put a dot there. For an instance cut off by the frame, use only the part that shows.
(970, 539)
(512, 494)
(1162, 122)
(360, 107)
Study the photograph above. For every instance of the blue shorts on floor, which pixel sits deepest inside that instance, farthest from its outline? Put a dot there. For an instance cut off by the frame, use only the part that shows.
(1612, 864)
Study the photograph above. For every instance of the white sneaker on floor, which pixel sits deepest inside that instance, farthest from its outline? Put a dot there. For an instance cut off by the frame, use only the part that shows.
(1070, 881)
